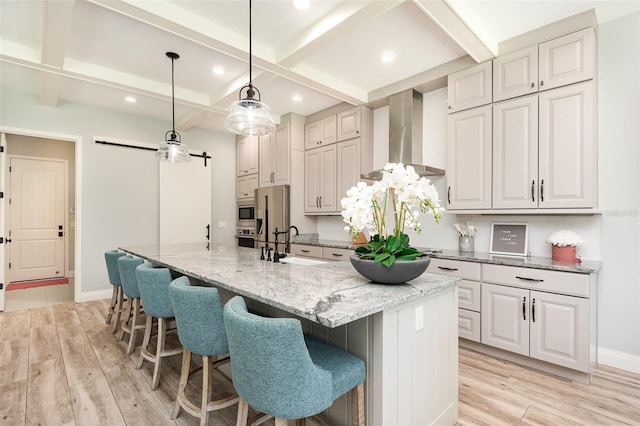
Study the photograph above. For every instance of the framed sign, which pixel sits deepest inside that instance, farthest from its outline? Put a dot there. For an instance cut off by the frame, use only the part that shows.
(509, 238)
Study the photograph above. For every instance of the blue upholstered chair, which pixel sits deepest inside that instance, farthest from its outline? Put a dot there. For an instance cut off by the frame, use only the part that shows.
(153, 284)
(127, 266)
(198, 313)
(115, 307)
(281, 372)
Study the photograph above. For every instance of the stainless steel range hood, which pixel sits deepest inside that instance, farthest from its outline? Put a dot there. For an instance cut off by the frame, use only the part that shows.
(405, 134)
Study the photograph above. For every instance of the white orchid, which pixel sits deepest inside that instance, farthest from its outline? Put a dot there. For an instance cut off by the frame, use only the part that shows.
(401, 190)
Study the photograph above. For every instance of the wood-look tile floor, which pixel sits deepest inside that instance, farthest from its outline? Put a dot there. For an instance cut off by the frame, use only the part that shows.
(61, 364)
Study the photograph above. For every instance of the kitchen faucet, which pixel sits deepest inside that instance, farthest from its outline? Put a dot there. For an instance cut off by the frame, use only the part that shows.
(276, 255)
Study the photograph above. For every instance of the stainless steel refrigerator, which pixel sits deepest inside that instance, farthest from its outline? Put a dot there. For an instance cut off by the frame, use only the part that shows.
(271, 212)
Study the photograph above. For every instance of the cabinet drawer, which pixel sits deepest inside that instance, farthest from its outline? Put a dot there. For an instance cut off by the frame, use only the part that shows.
(469, 295)
(456, 268)
(306, 251)
(330, 253)
(537, 279)
(469, 325)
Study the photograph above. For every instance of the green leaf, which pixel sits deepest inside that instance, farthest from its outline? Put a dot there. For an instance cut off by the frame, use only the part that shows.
(380, 258)
(389, 261)
(394, 244)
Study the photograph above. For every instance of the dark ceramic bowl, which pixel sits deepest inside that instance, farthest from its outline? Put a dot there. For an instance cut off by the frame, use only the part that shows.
(399, 272)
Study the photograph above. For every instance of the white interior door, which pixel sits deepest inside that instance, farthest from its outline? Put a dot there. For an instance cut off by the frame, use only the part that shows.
(185, 202)
(37, 207)
(3, 176)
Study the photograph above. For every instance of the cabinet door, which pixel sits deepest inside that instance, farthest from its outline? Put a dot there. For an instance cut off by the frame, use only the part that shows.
(515, 74)
(246, 185)
(329, 168)
(567, 166)
(515, 154)
(348, 167)
(280, 148)
(267, 159)
(312, 180)
(311, 135)
(469, 88)
(505, 318)
(469, 159)
(247, 155)
(321, 132)
(349, 124)
(567, 59)
(560, 330)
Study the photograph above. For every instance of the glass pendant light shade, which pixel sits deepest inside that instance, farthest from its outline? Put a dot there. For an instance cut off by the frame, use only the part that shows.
(248, 116)
(172, 149)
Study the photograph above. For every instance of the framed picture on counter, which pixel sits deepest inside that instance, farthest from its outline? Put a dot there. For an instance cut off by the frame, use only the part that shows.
(509, 238)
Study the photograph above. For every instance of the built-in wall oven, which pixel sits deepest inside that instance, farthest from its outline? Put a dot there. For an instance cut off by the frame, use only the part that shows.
(246, 237)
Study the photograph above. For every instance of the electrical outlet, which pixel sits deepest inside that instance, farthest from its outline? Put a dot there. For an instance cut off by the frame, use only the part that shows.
(222, 224)
(419, 318)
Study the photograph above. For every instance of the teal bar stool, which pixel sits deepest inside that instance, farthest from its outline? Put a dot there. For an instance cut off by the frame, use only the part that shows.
(198, 312)
(117, 297)
(153, 284)
(127, 266)
(279, 371)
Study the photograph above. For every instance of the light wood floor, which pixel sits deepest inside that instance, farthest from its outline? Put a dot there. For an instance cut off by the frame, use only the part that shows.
(60, 364)
(37, 297)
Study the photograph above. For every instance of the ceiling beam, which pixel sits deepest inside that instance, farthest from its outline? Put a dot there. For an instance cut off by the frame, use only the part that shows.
(446, 18)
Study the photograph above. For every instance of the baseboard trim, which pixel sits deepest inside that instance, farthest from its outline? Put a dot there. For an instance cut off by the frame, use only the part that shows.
(90, 296)
(622, 360)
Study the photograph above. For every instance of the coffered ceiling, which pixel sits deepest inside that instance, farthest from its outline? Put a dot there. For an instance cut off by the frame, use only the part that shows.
(98, 52)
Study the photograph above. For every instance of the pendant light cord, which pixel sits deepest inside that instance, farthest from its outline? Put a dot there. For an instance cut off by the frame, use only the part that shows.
(173, 102)
(250, 52)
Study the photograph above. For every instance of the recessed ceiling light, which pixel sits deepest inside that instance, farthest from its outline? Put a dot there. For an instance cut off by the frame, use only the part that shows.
(387, 57)
(130, 99)
(218, 70)
(300, 4)
(297, 98)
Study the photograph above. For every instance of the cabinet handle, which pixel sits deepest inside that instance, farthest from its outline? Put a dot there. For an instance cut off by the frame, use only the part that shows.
(305, 251)
(542, 190)
(532, 189)
(357, 132)
(444, 268)
(321, 201)
(524, 309)
(533, 84)
(533, 310)
(336, 254)
(449, 195)
(317, 202)
(541, 83)
(449, 106)
(535, 280)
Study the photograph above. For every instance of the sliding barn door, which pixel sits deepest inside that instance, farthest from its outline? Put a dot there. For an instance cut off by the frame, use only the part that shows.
(185, 201)
(3, 177)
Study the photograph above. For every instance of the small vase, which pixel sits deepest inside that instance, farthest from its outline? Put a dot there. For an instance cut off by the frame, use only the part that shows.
(399, 272)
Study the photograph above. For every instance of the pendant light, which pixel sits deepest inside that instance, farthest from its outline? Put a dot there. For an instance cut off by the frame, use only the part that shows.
(172, 149)
(248, 116)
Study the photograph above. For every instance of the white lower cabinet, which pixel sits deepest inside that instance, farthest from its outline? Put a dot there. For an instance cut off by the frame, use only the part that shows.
(325, 253)
(545, 326)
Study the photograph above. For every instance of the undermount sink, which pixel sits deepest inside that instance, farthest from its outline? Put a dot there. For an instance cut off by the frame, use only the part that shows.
(301, 261)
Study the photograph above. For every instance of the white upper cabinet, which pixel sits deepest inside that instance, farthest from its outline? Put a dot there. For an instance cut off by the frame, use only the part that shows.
(567, 149)
(274, 157)
(349, 124)
(247, 155)
(515, 74)
(321, 132)
(245, 186)
(568, 59)
(469, 88)
(564, 60)
(515, 153)
(469, 159)
(320, 170)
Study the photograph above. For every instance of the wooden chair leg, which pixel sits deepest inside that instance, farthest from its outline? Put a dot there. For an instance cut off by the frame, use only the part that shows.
(112, 305)
(357, 405)
(207, 389)
(280, 421)
(145, 341)
(118, 308)
(243, 413)
(162, 332)
(126, 320)
(300, 422)
(133, 325)
(184, 377)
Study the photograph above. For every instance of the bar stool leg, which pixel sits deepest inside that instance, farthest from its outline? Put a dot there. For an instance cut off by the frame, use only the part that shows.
(357, 405)
(126, 321)
(243, 412)
(118, 308)
(112, 305)
(145, 341)
(207, 389)
(184, 377)
(162, 332)
(134, 327)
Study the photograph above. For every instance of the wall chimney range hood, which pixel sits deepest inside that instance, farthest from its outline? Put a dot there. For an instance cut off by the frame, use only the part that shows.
(405, 135)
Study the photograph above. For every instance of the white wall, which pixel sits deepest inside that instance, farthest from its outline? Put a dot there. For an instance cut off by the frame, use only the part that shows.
(119, 199)
(612, 237)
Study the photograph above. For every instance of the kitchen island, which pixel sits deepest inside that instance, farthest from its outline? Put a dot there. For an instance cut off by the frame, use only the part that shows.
(407, 334)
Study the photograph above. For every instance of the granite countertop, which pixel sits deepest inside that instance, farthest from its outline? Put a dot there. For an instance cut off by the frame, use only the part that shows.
(331, 294)
(584, 267)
